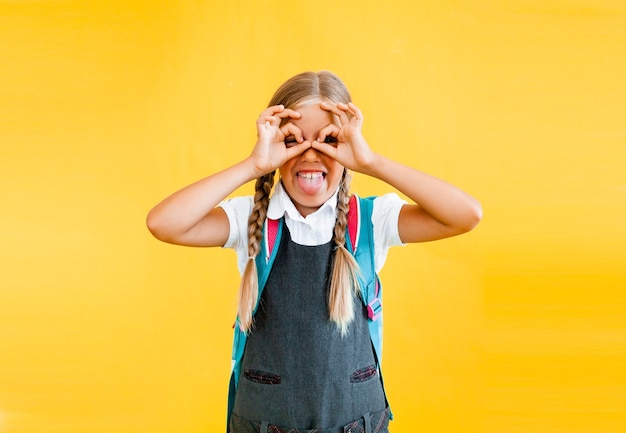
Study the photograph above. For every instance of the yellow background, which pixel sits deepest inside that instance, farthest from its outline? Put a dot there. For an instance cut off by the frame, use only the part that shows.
(108, 106)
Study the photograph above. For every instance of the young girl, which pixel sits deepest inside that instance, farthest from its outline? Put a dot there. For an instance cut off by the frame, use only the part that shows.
(309, 363)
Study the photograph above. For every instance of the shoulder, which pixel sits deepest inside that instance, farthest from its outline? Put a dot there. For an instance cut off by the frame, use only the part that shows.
(385, 205)
(241, 204)
(388, 200)
(385, 217)
(384, 212)
(238, 211)
(384, 224)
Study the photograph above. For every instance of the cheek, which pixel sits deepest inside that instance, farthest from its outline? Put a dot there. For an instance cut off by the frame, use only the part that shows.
(285, 169)
(335, 175)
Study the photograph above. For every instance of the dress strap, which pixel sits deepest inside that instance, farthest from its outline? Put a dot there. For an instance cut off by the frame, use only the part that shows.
(367, 422)
(264, 427)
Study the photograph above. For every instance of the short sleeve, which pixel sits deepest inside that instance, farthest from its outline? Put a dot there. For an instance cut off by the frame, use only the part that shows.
(238, 210)
(385, 215)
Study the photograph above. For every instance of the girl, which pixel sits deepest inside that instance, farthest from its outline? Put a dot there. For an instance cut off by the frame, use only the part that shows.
(308, 361)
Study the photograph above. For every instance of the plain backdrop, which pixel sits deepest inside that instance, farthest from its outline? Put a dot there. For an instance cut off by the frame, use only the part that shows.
(106, 107)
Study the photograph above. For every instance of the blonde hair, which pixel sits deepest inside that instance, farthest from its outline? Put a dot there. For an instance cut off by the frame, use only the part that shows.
(345, 271)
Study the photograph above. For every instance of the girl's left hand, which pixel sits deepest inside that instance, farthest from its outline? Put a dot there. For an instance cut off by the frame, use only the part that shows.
(345, 142)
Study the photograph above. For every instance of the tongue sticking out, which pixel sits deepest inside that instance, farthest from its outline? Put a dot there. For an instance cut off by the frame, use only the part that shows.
(310, 182)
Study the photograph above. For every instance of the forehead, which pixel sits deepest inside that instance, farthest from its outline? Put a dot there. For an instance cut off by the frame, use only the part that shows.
(313, 117)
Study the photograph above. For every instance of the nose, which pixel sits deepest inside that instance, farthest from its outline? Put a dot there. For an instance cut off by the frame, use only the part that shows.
(310, 155)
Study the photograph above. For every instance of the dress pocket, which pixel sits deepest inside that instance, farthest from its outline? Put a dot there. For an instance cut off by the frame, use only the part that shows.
(262, 377)
(363, 374)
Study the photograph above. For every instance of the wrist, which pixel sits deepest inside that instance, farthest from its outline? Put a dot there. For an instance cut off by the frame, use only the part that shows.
(253, 170)
(371, 164)
(374, 165)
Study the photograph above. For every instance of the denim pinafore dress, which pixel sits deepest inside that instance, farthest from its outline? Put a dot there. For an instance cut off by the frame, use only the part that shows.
(298, 372)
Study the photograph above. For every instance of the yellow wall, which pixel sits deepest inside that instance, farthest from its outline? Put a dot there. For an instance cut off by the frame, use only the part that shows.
(107, 106)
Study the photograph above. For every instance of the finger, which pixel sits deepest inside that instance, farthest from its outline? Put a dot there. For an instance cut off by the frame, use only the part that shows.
(350, 109)
(357, 112)
(327, 106)
(288, 112)
(337, 110)
(293, 134)
(298, 149)
(325, 148)
(328, 132)
(287, 115)
(275, 109)
(346, 108)
(266, 119)
(268, 115)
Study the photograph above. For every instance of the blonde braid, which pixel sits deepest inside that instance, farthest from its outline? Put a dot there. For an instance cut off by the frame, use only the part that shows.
(249, 288)
(344, 278)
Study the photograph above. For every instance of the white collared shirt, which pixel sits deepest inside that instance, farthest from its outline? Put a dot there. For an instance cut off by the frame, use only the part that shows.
(314, 229)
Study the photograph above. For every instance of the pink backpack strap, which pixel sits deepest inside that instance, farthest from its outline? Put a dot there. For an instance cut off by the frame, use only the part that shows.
(353, 227)
(354, 222)
(272, 231)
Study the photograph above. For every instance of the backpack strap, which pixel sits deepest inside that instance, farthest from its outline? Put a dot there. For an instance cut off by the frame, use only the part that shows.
(361, 233)
(354, 223)
(273, 227)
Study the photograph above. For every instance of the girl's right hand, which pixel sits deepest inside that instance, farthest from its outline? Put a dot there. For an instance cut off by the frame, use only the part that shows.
(270, 151)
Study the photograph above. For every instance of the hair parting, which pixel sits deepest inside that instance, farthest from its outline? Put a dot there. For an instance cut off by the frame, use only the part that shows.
(306, 86)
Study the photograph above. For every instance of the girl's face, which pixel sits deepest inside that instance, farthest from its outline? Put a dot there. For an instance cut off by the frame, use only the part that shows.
(311, 178)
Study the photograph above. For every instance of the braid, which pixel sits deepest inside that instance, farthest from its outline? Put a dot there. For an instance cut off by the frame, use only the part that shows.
(249, 289)
(343, 200)
(344, 278)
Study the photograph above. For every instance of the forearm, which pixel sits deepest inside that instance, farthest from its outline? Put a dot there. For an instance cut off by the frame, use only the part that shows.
(183, 210)
(444, 202)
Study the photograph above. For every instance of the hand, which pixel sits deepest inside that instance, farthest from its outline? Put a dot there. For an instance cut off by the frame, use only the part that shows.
(345, 142)
(270, 151)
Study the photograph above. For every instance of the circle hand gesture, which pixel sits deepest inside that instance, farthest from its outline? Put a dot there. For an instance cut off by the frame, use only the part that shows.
(270, 151)
(344, 142)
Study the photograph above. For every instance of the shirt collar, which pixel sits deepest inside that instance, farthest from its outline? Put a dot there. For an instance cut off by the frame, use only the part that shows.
(281, 204)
